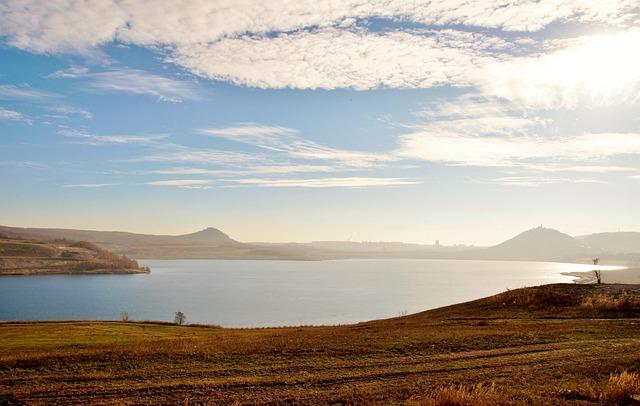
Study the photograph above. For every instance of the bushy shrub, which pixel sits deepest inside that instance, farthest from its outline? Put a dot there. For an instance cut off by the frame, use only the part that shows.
(537, 297)
(625, 301)
(477, 395)
(621, 389)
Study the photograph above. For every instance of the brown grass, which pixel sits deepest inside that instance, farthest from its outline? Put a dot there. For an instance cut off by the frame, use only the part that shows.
(541, 297)
(443, 357)
(621, 389)
(606, 301)
(476, 395)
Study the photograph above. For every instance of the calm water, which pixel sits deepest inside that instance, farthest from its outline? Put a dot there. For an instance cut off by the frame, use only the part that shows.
(270, 293)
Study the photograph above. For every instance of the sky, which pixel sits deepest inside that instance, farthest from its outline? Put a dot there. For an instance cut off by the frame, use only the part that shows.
(457, 120)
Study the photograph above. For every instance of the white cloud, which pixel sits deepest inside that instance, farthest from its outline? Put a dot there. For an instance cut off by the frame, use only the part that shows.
(250, 133)
(327, 45)
(71, 72)
(285, 140)
(13, 116)
(592, 71)
(88, 185)
(132, 81)
(12, 92)
(24, 164)
(66, 110)
(332, 58)
(72, 26)
(180, 182)
(536, 181)
(176, 153)
(579, 168)
(463, 149)
(93, 139)
(352, 182)
(252, 170)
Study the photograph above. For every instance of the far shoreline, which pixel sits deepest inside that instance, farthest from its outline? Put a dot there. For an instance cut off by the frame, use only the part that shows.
(627, 276)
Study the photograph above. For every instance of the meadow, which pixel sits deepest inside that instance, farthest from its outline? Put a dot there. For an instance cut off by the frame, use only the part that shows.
(555, 344)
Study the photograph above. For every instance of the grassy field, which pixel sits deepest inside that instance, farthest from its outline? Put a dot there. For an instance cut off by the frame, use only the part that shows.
(557, 344)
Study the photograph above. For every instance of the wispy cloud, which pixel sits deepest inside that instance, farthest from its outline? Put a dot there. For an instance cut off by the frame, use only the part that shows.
(579, 168)
(14, 116)
(353, 182)
(462, 149)
(250, 132)
(12, 92)
(180, 182)
(59, 26)
(133, 81)
(181, 154)
(71, 72)
(67, 110)
(85, 137)
(88, 185)
(25, 164)
(251, 170)
(532, 181)
(286, 141)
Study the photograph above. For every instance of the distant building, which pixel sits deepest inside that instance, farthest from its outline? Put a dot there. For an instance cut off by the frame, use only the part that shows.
(437, 244)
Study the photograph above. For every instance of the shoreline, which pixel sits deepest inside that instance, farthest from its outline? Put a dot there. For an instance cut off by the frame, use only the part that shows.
(628, 276)
(101, 271)
(586, 277)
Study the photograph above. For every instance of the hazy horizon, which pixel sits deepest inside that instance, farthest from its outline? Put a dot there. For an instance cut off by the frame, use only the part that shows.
(364, 121)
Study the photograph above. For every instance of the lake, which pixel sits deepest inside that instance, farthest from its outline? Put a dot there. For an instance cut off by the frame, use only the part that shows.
(270, 293)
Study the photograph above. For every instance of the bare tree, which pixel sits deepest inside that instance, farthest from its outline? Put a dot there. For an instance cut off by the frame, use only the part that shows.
(125, 316)
(180, 318)
(596, 271)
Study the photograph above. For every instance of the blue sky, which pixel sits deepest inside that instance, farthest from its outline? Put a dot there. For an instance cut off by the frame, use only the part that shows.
(274, 121)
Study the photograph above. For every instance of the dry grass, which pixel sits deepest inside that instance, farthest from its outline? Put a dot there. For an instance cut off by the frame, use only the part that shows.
(622, 389)
(443, 357)
(606, 301)
(541, 297)
(476, 395)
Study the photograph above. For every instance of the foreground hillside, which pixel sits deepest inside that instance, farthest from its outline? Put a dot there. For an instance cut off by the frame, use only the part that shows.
(556, 344)
(29, 257)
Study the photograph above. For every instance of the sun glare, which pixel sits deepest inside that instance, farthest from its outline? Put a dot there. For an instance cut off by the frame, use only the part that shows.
(597, 70)
(603, 65)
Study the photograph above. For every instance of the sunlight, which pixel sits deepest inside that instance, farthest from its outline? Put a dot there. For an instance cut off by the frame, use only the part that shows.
(603, 65)
(593, 71)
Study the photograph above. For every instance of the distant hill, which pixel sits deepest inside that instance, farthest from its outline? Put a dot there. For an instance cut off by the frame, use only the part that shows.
(29, 257)
(538, 243)
(618, 242)
(209, 235)
(209, 243)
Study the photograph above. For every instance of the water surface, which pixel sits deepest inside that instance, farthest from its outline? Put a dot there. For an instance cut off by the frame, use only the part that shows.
(270, 293)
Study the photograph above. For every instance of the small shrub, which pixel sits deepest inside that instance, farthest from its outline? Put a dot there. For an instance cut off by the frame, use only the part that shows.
(601, 301)
(621, 389)
(477, 395)
(583, 391)
(535, 298)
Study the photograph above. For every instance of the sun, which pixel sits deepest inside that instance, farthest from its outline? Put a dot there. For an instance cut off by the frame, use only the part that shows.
(602, 66)
(589, 71)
